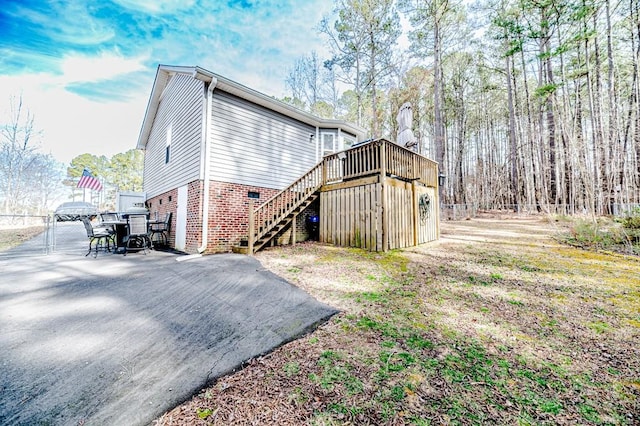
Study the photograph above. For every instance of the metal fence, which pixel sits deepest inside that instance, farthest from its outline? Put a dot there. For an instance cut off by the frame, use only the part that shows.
(625, 209)
(468, 211)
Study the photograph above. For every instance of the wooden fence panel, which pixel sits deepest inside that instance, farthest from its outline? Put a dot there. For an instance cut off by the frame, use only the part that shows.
(352, 216)
(400, 209)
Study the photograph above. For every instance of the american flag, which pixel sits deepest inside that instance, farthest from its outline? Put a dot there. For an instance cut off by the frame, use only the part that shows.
(88, 181)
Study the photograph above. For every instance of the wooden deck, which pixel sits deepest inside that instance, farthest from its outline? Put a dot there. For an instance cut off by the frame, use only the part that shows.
(377, 195)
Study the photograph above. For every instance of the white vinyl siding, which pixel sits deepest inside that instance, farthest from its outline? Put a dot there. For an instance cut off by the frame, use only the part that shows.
(179, 117)
(252, 145)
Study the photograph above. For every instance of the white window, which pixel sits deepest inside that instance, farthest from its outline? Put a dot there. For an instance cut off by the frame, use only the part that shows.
(167, 151)
(347, 141)
(327, 143)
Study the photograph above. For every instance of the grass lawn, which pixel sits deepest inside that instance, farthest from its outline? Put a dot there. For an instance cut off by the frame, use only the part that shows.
(496, 323)
(15, 236)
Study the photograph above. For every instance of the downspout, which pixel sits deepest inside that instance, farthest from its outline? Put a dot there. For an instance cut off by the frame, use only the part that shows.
(207, 167)
(318, 147)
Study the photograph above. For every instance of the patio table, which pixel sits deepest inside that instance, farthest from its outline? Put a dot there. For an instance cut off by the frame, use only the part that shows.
(120, 226)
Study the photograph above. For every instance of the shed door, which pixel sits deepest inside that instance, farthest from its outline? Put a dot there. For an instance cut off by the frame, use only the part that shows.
(427, 215)
(181, 219)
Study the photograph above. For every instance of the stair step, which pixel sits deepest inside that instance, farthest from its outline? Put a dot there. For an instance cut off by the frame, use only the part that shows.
(273, 227)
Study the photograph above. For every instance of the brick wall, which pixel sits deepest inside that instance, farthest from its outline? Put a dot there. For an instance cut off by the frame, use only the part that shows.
(228, 219)
(302, 234)
(229, 213)
(194, 216)
(162, 204)
(168, 202)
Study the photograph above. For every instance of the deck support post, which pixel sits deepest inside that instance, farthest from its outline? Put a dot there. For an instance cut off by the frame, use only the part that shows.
(293, 229)
(251, 226)
(383, 201)
(414, 213)
(438, 212)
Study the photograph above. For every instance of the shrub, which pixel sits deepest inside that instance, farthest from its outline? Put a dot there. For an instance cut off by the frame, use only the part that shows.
(632, 221)
(606, 234)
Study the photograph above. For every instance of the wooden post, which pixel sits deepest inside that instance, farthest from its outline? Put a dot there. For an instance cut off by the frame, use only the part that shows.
(414, 201)
(293, 229)
(383, 195)
(438, 211)
(251, 226)
(324, 171)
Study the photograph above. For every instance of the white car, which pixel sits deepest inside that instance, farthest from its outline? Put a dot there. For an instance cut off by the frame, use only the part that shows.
(74, 210)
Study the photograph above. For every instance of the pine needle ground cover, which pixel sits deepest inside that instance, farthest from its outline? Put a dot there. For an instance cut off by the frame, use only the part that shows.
(496, 323)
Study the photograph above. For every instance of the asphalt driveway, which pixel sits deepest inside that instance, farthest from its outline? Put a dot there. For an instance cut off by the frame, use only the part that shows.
(119, 340)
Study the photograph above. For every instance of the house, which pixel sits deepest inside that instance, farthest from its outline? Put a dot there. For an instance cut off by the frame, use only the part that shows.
(214, 149)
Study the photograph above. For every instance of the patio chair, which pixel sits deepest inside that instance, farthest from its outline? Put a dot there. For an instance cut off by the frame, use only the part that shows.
(161, 229)
(137, 233)
(100, 237)
(102, 227)
(109, 217)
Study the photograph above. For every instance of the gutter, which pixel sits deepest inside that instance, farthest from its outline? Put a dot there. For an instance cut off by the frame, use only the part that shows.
(207, 165)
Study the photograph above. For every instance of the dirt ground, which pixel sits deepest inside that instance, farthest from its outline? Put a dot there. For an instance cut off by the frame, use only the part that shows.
(495, 323)
(13, 236)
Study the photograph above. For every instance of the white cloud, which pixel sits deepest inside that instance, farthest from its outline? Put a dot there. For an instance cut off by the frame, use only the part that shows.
(72, 125)
(66, 22)
(156, 6)
(105, 66)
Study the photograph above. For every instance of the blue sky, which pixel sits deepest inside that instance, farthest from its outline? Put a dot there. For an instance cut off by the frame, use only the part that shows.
(85, 68)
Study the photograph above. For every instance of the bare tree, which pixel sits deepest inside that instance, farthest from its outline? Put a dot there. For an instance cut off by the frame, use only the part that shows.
(544, 113)
(362, 42)
(28, 179)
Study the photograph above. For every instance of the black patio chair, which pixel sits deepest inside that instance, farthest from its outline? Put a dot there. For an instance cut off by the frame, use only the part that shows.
(137, 233)
(107, 227)
(101, 237)
(161, 230)
(109, 217)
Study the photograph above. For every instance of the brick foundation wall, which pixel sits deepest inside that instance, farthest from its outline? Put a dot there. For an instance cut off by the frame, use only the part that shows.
(228, 218)
(165, 203)
(302, 234)
(229, 213)
(194, 216)
(168, 202)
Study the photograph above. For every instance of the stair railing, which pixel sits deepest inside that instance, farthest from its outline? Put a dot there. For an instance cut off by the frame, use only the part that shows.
(269, 214)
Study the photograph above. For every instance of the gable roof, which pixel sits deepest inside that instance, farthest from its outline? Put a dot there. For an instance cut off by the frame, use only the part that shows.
(166, 71)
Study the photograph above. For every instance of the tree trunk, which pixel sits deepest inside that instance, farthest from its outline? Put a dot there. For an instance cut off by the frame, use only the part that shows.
(437, 104)
(513, 181)
(550, 116)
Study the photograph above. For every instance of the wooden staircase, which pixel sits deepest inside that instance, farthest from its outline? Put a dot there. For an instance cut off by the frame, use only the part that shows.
(274, 216)
(283, 224)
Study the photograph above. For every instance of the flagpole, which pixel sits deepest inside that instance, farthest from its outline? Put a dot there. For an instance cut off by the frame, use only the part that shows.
(101, 194)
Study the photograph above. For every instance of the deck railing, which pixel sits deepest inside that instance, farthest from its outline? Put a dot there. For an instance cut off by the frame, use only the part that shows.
(406, 164)
(365, 160)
